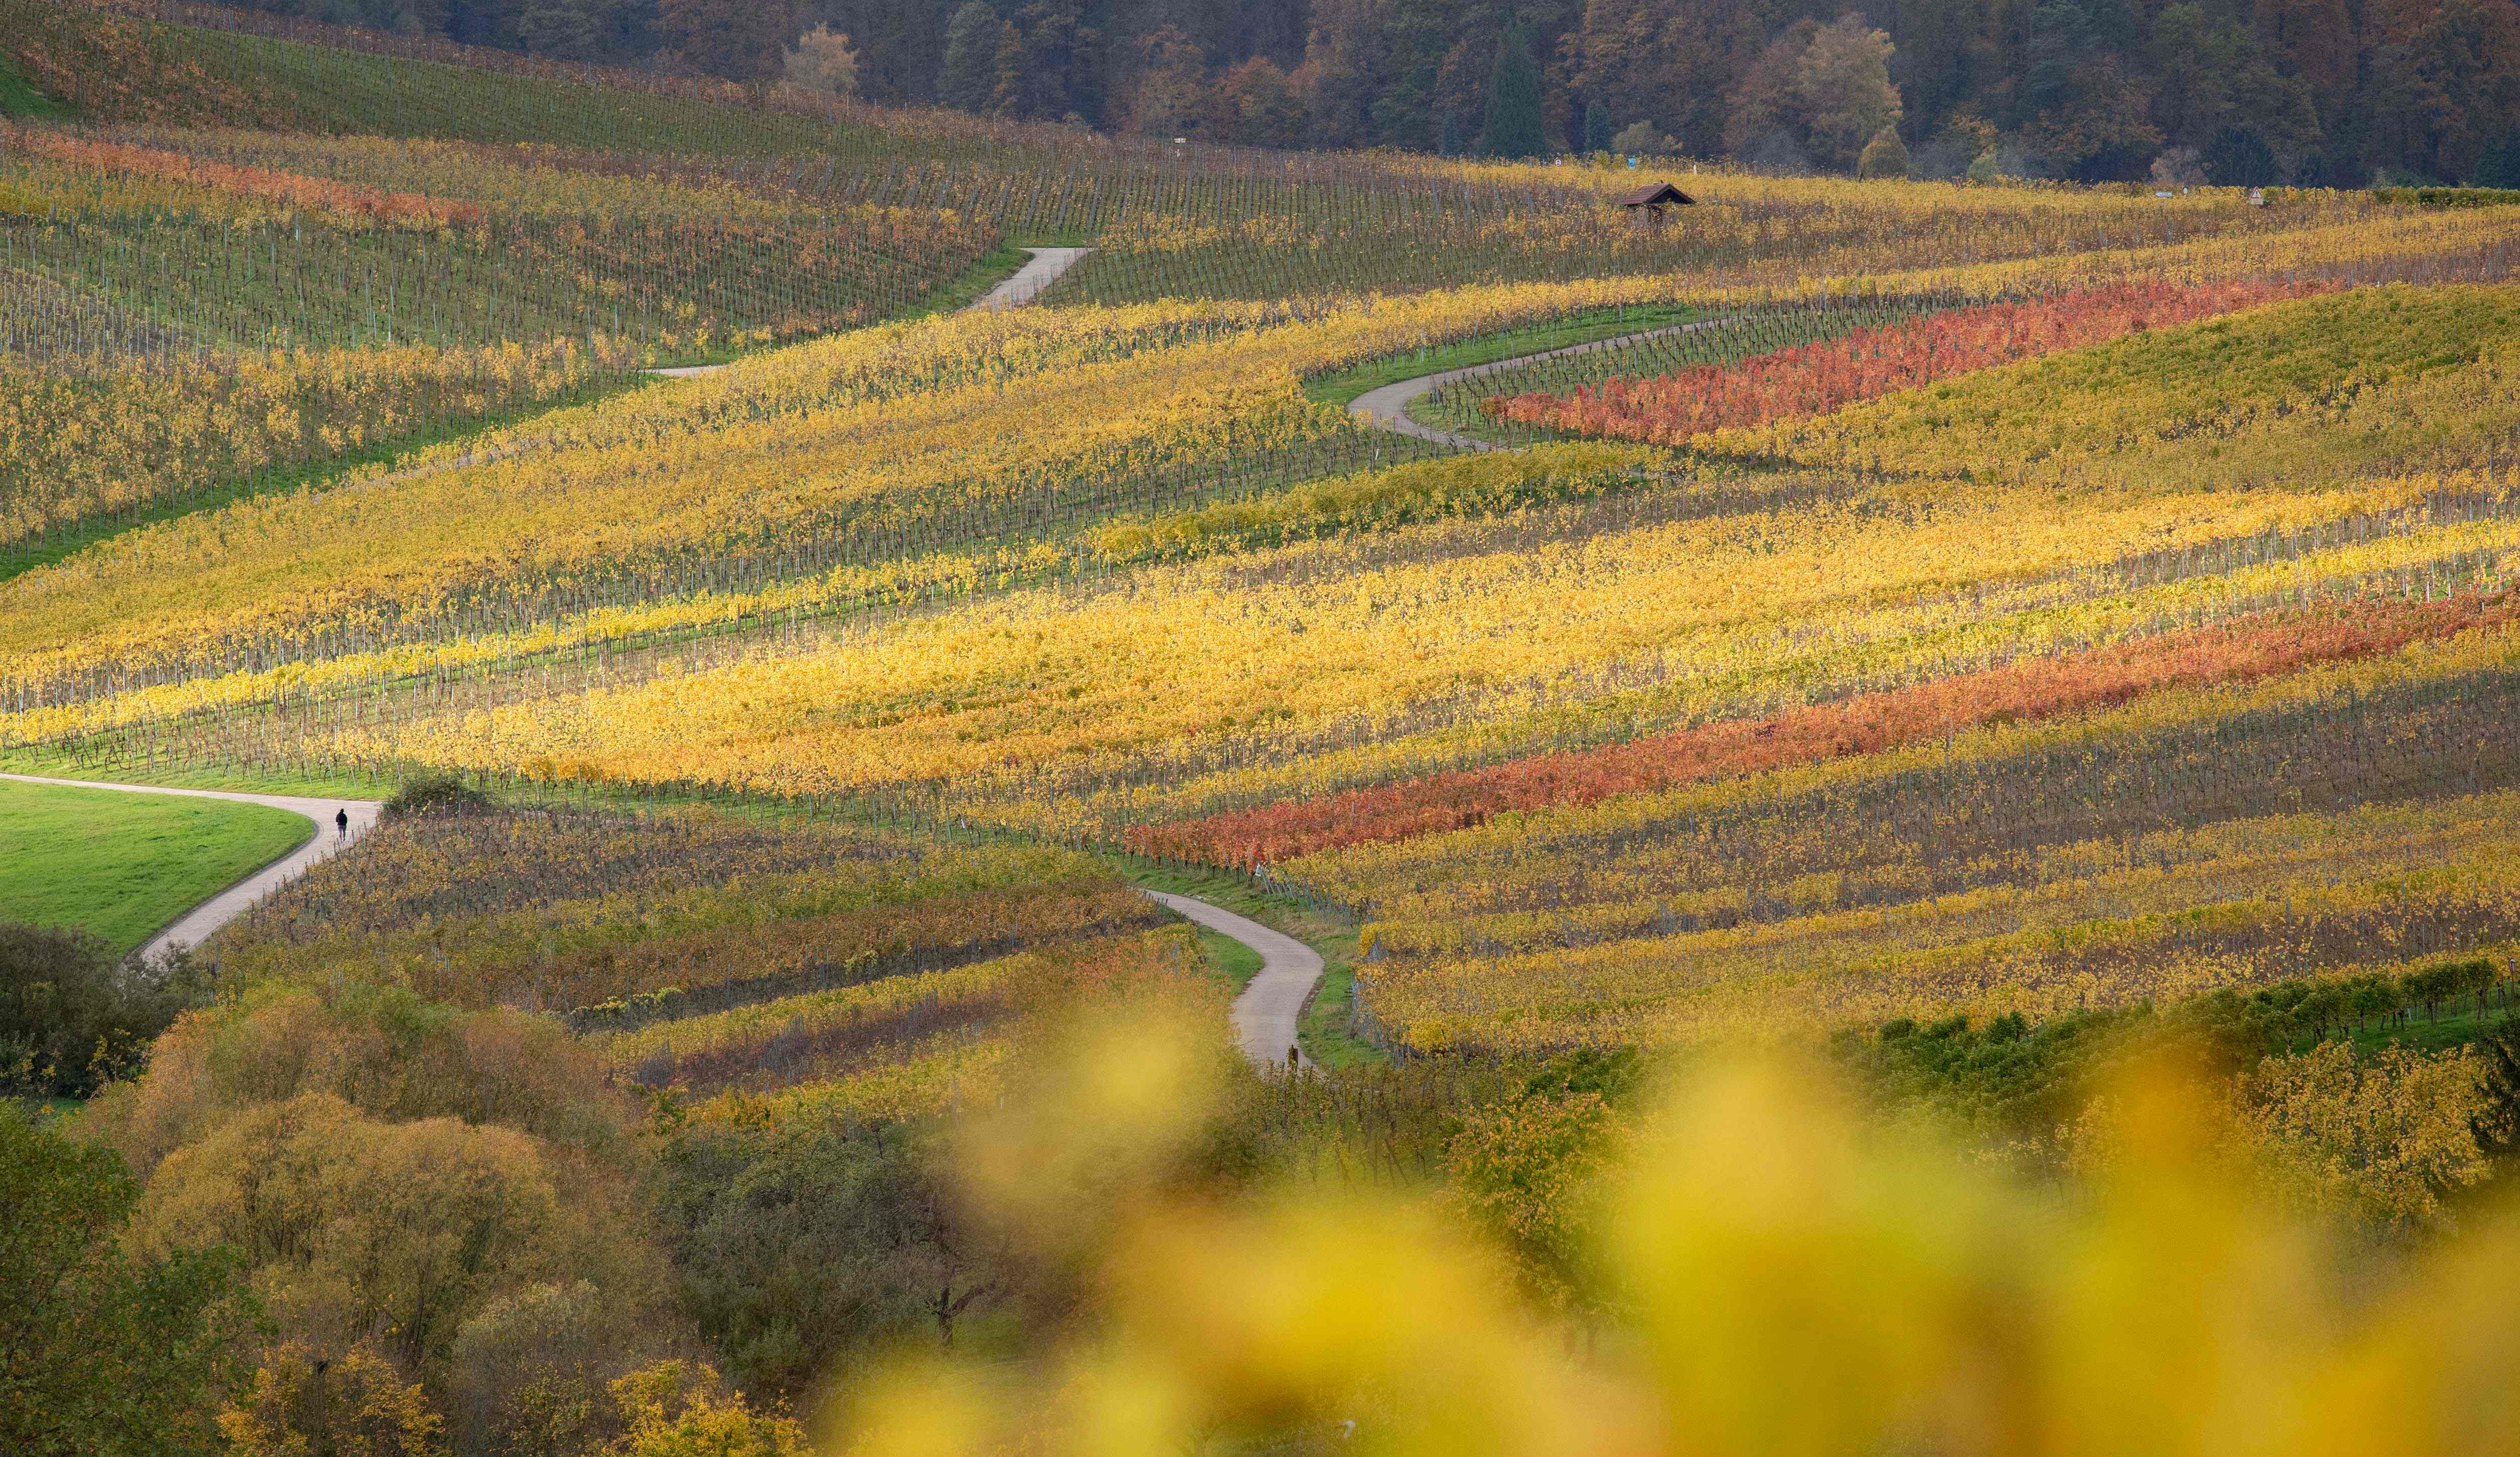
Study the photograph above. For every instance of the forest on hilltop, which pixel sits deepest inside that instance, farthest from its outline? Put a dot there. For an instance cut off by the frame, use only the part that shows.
(2311, 92)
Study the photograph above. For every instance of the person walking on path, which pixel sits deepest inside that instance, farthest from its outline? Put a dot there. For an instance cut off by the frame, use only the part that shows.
(351, 818)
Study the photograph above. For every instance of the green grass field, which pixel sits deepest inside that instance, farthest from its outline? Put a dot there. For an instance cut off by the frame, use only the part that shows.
(123, 865)
(19, 98)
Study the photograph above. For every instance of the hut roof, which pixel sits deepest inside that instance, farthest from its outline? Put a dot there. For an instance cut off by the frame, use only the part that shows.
(1656, 193)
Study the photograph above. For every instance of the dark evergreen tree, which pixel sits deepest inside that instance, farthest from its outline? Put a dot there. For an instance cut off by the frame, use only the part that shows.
(1050, 36)
(2060, 43)
(901, 48)
(2240, 157)
(744, 41)
(1007, 89)
(630, 29)
(1596, 127)
(1514, 124)
(1448, 135)
(476, 23)
(968, 81)
(2499, 165)
(560, 30)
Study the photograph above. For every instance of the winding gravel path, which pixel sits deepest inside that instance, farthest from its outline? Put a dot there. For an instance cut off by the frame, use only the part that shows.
(1388, 406)
(195, 925)
(1020, 288)
(1265, 1015)
(1028, 282)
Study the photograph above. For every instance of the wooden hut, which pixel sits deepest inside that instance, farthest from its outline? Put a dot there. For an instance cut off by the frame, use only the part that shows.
(1646, 204)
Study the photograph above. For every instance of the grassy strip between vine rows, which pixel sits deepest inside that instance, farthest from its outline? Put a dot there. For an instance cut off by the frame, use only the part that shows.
(1236, 962)
(984, 274)
(19, 98)
(312, 474)
(1343, 387)
(1323, 1031)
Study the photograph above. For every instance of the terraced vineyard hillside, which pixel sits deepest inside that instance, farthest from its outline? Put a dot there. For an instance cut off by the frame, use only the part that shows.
(1959, 639)
(720, 959)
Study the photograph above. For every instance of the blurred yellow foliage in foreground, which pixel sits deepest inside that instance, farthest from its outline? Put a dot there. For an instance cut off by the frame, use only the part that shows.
(1777, 1273)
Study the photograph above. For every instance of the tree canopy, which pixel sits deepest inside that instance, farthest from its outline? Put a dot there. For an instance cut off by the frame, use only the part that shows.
(102, 1351)
(2311, 91)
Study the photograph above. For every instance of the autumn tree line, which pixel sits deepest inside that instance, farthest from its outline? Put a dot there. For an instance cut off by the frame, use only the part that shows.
(2242, 92)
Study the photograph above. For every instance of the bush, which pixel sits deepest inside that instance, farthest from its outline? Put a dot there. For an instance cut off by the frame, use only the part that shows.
(398, 1235)
(531, 1375)
(1885, 156)
(2448, 197)
(1643, 139)
(2386, 1138)
(355, 1402)
(2178, 168)
(1518, 1169)
(678, 1409)
(435, 794)
(383, 1050)
(802, 1243)
(70, 1021)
